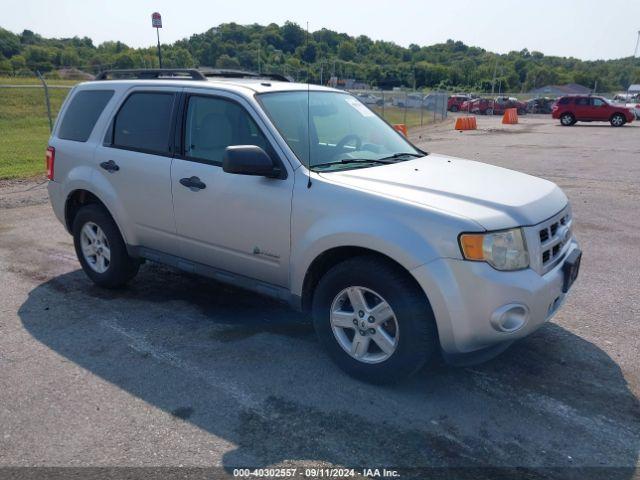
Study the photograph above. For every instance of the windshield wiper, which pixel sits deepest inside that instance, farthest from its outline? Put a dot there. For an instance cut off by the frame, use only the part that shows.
(353, 160)
(402, 154)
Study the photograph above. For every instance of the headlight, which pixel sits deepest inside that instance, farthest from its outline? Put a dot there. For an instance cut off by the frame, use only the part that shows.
(504, 250)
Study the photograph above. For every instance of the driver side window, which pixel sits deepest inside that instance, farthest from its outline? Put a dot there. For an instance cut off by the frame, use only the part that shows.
(213, 124)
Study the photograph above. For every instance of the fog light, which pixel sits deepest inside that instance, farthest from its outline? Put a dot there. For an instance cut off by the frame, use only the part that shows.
(510, 318)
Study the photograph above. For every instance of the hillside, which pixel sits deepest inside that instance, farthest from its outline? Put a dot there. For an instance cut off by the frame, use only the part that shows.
(288, 49)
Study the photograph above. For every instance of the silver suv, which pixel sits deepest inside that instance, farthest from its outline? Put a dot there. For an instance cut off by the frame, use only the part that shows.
(302, 193)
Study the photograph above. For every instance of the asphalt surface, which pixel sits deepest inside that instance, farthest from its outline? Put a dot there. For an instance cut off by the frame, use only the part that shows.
(179, 370)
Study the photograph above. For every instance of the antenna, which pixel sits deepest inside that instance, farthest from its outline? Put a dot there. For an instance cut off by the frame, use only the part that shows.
(308, 119)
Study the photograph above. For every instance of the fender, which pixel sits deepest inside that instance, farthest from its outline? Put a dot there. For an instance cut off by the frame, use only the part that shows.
(384, 235)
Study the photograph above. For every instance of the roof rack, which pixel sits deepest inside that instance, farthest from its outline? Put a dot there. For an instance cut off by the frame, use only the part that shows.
(184, 74)
(227, 73)
(152, 74)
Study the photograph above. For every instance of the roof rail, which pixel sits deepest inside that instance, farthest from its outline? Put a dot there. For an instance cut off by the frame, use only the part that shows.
(184, 74)
(152, 74)
(229, 73)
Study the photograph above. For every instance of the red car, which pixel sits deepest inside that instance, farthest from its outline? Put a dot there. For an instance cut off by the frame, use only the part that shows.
(483, 106)
(502, 103)
(588, 108)
(454, 102)
(489, 106)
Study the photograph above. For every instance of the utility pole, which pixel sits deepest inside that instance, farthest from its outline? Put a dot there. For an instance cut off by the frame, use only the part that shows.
(156, 22)
(635, 52)
(493, 83)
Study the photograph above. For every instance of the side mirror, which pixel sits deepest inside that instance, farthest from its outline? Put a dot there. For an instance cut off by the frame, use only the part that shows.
(249, 160)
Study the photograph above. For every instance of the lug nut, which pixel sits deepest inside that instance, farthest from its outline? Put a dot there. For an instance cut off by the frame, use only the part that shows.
(363, 332)
(371, 319)
(372, 331)
(361, 314)
(355, 321)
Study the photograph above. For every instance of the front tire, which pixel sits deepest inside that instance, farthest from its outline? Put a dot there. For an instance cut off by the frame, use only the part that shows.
(101, 249)
(373, 320)
(617, 120)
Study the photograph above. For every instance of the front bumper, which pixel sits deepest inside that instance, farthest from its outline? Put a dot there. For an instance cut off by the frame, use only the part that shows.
(467, 297)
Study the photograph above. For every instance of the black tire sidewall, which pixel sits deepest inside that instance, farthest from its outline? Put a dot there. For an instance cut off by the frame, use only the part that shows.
(418, 335)
(121, 266)
(620, 116)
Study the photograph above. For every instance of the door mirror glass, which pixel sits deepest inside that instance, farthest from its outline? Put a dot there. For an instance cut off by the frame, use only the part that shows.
(249, 160)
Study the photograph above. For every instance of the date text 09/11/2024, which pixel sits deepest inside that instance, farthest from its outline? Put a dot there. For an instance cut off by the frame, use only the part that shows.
(315, 472)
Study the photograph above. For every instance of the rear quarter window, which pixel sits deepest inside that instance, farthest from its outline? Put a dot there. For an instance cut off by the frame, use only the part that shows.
(82, 114)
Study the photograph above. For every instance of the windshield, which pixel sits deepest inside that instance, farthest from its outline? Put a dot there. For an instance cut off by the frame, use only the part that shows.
(330, 130)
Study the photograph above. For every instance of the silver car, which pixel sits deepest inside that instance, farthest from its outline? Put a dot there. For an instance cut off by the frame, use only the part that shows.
(302, 193)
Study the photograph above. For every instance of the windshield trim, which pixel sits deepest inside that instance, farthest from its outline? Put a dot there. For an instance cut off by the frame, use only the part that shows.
(258, 99)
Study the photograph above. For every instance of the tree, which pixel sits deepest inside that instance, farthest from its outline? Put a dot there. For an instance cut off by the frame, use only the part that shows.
(347, 51)
(293, 36)
(9, 43)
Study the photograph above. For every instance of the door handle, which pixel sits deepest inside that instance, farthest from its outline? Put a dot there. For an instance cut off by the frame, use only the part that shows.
(110, 166)
(193, 183)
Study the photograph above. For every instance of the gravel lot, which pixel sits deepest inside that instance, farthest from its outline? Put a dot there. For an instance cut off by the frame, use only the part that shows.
(178, 370)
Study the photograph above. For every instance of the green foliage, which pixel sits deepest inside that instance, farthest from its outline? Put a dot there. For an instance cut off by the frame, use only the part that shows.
(290, 50)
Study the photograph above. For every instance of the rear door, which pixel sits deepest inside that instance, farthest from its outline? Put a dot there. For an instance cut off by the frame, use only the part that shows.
(236, 223)
(135, 159)
(583, 109)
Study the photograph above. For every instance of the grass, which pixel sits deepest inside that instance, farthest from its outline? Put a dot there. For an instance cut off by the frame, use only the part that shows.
(24, 127)
(412, 117)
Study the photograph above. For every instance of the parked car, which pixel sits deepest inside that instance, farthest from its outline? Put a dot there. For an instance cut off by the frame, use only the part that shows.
(482, 106)
(409, 100)
(503, 103)
(369, 99)
(454, 102)
(540, 105)
(301, 193)
(590, 108)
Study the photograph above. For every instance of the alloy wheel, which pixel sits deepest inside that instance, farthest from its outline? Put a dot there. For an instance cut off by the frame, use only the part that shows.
(95, 247)
(364, 324)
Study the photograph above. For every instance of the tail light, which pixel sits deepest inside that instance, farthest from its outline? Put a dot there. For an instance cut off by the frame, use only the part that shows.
(50, 158)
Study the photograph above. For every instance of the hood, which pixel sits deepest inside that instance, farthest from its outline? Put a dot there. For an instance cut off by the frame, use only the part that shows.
(494, 197)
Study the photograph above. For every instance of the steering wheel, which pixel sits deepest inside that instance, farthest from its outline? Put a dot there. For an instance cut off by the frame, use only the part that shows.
(340, 146)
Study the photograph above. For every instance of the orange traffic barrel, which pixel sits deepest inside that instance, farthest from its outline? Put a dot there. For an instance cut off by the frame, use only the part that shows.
(510, 116)
(402, 128)
(466, 123)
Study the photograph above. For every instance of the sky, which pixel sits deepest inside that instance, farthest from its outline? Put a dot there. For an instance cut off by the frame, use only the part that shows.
(586, 29)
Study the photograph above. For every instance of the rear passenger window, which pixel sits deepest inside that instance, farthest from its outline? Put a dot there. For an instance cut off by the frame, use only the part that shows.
(564, 101)
(582, 101)
(144, 121)
(82, 114)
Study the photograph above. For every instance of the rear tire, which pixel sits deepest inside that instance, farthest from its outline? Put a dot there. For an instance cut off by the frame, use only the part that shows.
(488, 111)
(101, 249)
(567, 119)
(406, 331)
(617, 120)
(454, 108)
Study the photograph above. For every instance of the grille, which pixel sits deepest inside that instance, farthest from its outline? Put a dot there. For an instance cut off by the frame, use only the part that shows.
(554, 235)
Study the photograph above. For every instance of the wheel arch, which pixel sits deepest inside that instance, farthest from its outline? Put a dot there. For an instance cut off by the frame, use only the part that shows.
(80, 197)
(326, 260)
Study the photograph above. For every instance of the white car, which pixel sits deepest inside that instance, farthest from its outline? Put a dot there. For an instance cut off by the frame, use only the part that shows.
(302, 193)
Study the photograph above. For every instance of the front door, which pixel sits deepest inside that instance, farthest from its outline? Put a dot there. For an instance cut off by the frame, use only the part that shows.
(599, 109)
(135, 159)
(236, 223)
